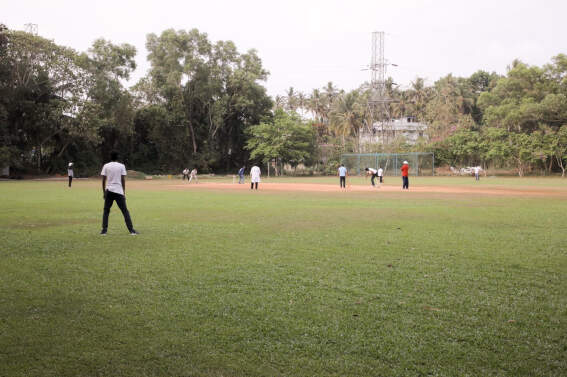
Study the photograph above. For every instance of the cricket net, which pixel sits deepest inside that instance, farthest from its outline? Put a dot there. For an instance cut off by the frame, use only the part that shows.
(421, 163)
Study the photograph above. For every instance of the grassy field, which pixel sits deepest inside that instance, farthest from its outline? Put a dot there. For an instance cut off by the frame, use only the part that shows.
(239, 283)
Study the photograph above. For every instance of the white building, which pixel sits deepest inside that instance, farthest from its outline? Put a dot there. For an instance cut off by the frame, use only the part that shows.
(407, 127)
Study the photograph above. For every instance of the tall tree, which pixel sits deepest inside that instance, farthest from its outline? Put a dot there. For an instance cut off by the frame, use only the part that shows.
(211, 90)
(285, 138)
(347, 117)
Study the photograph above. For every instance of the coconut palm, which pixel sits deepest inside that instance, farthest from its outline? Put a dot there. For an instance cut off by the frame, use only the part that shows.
(347, 117)
(291, 99)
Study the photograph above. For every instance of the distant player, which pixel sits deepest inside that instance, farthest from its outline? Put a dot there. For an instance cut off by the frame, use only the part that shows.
(373, 173)
(477, 173)
(241, 175)
(380, 173)
(342, 173)
(70, 173)
(254, 177)
(194, 176)
(185, 174)
(114, 189)
(405, 175)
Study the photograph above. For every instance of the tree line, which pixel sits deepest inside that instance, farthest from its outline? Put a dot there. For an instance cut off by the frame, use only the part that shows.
(193, 108)
(203, 104)
(517, 120)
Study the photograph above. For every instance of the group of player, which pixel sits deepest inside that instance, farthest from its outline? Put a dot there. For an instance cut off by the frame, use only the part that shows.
(342, 172)
(114, 184)
(191, 176)
(255, 174)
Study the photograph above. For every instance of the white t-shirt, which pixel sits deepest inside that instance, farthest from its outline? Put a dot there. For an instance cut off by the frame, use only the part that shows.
(373, 171)
(255, 174)
(70, 172)
(476, 169)
(342, 171)
(194, 172)
(114, 172)
(380, 172)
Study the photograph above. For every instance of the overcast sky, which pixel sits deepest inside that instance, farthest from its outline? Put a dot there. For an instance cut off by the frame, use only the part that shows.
(307, 43)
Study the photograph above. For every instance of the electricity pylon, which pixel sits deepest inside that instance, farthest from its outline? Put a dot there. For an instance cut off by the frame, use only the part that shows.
(378, 101)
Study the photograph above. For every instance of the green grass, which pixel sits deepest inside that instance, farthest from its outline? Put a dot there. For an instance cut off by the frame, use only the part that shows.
(246, 283)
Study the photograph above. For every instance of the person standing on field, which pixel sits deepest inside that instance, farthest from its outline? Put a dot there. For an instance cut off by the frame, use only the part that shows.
(70, 173)
(405, 175)
(380, 173)
(254, 177)
(193, 176)
(342, 172)
(114, 189)
(476, 173)
(241, 175)
(372, 172)
(185, 174)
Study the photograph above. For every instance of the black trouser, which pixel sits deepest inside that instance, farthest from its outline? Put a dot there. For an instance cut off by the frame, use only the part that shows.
(252, 185)
(372, 179)
(121, 203)
(380, 179)
(405, 181)
(185, 176)
(70, 180)
(342, 181)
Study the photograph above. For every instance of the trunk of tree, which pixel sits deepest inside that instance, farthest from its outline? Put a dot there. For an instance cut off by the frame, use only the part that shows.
(39, 157)
(560, 163)
(193, 138)
(276, 167)
(63, 149)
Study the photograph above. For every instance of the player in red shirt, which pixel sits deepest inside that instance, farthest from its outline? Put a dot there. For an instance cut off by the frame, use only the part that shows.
(405, 179)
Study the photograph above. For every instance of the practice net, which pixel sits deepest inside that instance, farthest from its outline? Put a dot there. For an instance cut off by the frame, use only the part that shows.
(421, 163)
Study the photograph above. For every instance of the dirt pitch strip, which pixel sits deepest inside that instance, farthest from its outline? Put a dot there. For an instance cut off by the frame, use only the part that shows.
(525, 191)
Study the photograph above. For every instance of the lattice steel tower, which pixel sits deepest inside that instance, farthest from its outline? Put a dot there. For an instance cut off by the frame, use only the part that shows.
(378, 102)
(30, 28)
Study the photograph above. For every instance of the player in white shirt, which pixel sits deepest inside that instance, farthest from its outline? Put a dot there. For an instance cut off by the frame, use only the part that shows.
(254, 177)
(342, 172)
(193, 176)
(372, 172)
(70, 173)
(114, 189)
(477, 170)
(380, 173)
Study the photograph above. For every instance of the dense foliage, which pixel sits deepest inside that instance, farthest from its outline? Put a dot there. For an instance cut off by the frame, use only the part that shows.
(516, 121)
(202, 104)
(192, 109)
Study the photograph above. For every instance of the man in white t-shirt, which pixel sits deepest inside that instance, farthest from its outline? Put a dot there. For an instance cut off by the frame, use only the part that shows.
(342, 172)
(254, 177)
(380, 173)
(477, 170)
(114, 189)
(193, 176)
(185, 174)
(372, 172)
(70, 173)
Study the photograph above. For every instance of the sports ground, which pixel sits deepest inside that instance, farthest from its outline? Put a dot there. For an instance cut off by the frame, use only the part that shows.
(451, 278)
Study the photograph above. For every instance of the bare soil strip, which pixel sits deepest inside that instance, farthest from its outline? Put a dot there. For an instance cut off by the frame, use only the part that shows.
(525, 191)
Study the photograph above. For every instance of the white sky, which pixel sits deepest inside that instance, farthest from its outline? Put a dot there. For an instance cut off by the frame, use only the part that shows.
(306, 43)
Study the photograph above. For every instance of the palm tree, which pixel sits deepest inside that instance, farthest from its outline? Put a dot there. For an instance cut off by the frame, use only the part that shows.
(347, 117)
(279, 102)
(291, 98)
